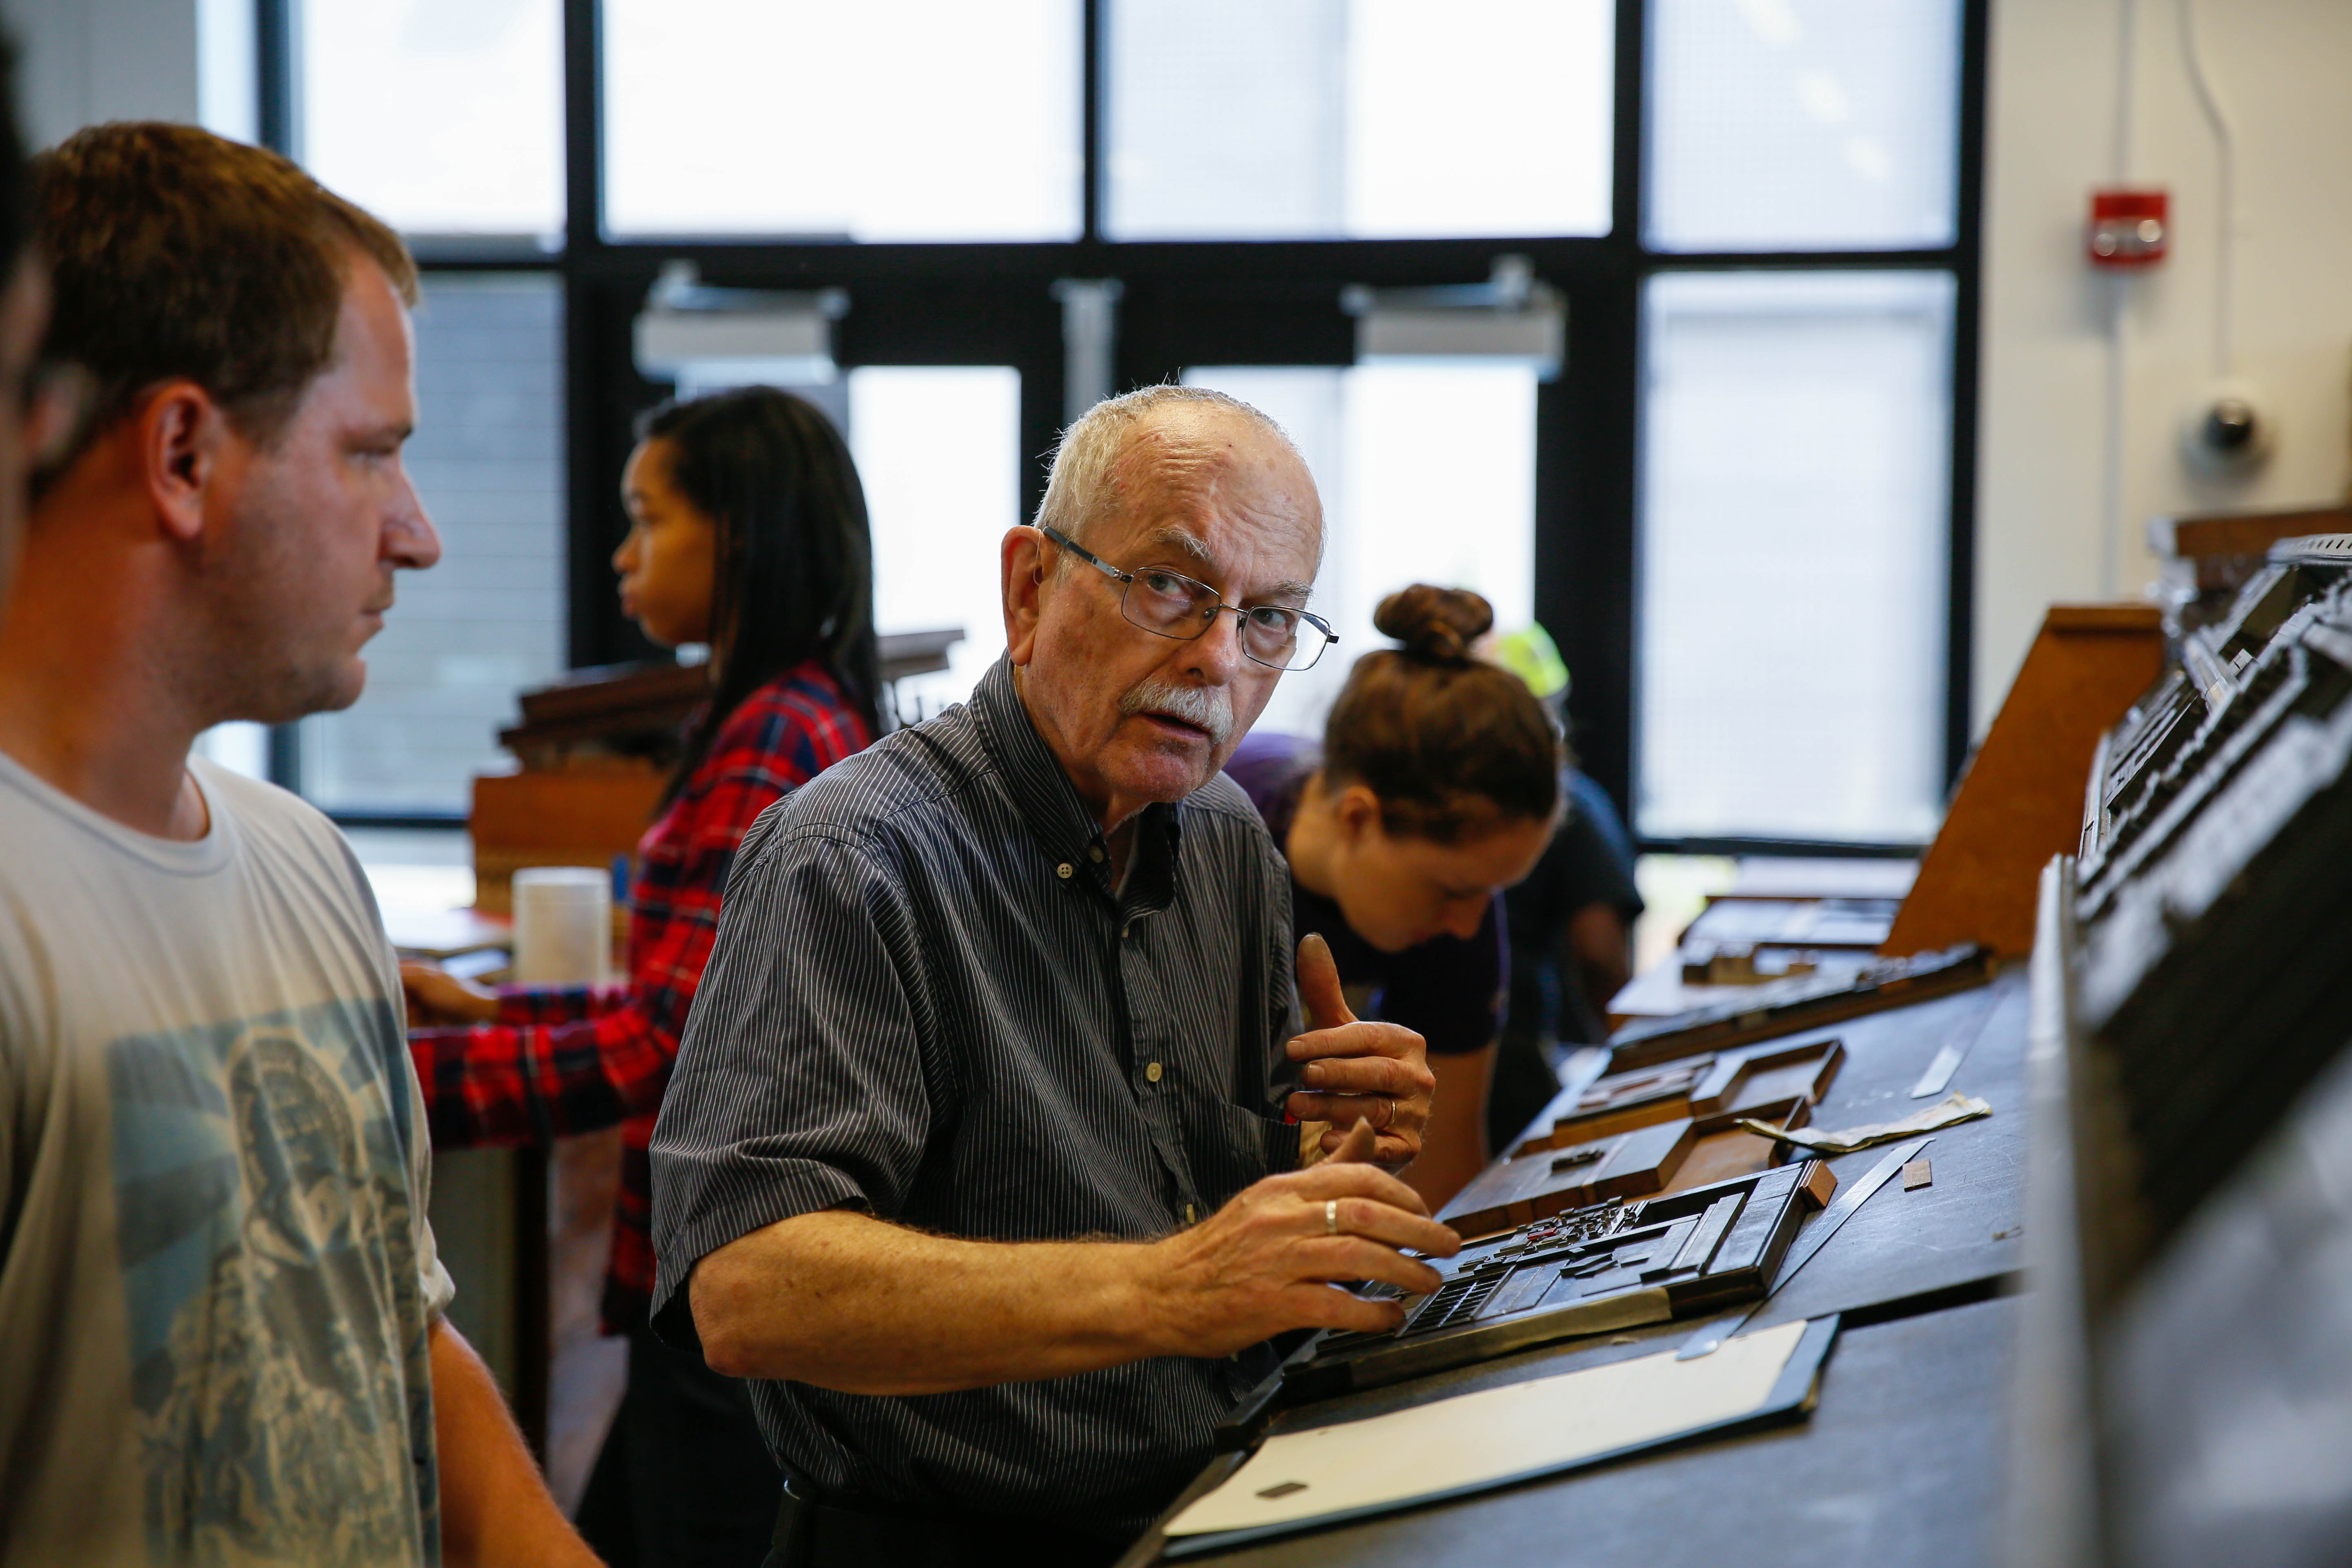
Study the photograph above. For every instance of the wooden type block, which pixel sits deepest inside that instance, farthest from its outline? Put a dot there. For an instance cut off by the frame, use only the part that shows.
(1720, 1157)
(1820, 1183)
(1769, 1083)
(2224, 548)
(1547, 1182)
(1789, 1006)
(1917, 1174)
(1632, 1090)
(1642, 1162)
(1502, 1196)
(1742, 964)
(1618, 1103)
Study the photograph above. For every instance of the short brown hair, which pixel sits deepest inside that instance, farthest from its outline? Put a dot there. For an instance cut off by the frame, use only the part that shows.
(179, 253)
(1453, 746)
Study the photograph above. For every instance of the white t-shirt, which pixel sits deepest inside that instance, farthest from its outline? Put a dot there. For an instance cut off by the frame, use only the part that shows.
(216, 1279)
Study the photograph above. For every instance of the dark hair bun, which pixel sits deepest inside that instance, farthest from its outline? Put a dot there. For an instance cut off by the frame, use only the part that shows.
(1435, 624)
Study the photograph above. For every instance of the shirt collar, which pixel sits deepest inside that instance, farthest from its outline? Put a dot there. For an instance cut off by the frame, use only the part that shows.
(1048, 802)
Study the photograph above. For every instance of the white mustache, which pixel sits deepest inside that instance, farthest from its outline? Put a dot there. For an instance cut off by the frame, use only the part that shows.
(1210, 707)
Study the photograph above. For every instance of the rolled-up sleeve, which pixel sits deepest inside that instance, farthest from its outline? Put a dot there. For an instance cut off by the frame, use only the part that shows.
(800, 1082)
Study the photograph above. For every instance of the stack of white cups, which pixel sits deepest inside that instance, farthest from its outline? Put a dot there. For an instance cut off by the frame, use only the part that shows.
(563, 926)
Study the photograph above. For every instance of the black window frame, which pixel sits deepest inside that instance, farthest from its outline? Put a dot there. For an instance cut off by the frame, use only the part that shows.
(1183, 303)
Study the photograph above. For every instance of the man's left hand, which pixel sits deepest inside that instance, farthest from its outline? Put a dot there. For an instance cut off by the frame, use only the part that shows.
(1368, 1071)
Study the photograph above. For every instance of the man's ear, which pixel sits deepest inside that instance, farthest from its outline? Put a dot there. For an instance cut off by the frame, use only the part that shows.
(1024, 585)
(181, 436)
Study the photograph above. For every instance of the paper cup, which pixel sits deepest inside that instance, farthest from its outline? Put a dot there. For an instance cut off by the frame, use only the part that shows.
(563, 925)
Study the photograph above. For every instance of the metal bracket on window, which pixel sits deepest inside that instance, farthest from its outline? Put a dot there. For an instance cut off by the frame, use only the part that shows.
(696, 335)
(1089, 336)
(1513, 316)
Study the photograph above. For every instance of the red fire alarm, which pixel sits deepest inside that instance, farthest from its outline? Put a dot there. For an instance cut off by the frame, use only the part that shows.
(2128, 228)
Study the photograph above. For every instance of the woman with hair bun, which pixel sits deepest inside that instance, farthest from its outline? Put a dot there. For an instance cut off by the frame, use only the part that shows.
(1435, 788)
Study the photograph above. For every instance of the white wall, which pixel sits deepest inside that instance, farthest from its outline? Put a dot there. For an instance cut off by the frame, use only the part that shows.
(89, 60)
(2282, 72)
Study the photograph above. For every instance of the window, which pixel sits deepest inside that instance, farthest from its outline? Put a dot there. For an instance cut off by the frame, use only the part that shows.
(438, 116)
(1737, 500)
(1426, 474)
(1795, 500)
(938, 451)
(464, 637)
(887, 119)
(1326, 119)
(1796, 650)
(228, 66)
(1803, 124)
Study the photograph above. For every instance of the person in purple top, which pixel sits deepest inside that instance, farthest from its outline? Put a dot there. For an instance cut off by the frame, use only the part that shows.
(1435, 787)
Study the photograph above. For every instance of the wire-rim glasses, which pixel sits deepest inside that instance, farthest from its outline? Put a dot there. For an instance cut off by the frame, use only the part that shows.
(1170, 605)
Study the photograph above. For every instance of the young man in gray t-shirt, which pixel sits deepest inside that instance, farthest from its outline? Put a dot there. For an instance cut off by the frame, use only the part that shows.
(221, 1330)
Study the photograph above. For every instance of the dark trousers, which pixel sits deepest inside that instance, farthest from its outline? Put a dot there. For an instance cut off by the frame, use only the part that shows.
(813, 1535)
(683, 1479)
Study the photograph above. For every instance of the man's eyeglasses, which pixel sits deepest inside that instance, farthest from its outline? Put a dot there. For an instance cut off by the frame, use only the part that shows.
(1170, 605)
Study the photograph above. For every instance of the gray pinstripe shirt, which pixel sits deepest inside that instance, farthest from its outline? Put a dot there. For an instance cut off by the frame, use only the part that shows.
(929, 1000)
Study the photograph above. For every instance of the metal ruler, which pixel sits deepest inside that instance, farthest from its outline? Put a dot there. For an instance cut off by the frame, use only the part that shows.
(1710, 1338)
(1938, 1076)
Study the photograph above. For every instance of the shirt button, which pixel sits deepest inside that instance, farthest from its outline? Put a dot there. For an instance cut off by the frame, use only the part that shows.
(1094, 853)
(1151, 1072)
(1127, 929)
(1188, 1213)
(1063, 870)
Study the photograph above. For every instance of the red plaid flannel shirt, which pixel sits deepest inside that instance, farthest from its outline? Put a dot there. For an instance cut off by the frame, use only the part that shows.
(566, 1059)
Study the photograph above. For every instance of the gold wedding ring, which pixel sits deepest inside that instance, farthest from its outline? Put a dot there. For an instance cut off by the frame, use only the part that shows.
(1330, 1216)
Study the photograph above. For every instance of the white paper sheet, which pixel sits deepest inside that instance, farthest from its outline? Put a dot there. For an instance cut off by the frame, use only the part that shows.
(1953, 1108)
(1496, 1433)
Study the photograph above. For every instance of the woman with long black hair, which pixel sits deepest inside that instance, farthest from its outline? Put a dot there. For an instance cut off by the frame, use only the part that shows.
(748, 532)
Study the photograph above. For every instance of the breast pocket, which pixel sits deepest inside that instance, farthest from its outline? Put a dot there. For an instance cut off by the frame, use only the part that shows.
(1242, 1147)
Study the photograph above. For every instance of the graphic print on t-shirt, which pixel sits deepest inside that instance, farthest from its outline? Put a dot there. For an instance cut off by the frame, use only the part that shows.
(268, 1266)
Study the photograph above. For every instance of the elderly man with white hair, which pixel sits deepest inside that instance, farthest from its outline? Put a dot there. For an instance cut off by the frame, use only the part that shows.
(982, 1156)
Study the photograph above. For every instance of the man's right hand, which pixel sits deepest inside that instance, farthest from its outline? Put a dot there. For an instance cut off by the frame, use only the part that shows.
(1270, 1261)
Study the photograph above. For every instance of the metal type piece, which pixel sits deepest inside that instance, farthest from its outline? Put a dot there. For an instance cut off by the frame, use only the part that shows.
(1700, 1250)
(1611, 1265)
(2313, 550)
(1940, 1071)
(1710, 1338)
(2188, 1092)
(1938, 1076)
